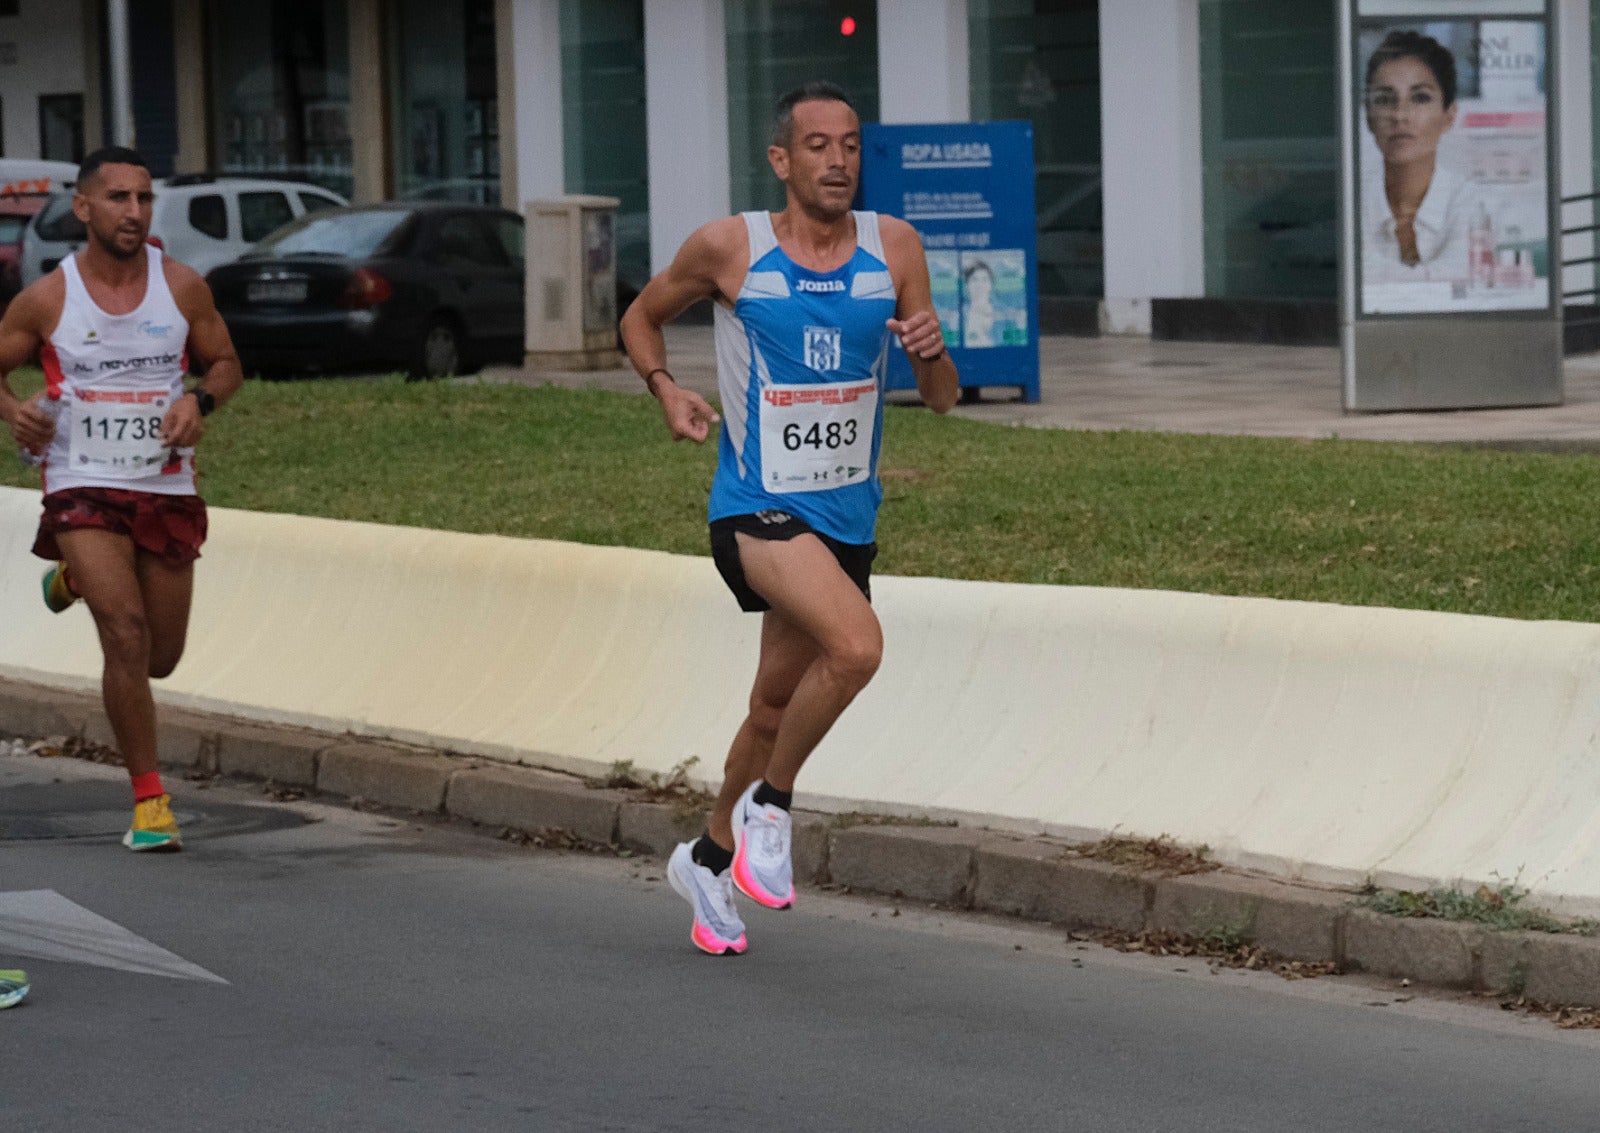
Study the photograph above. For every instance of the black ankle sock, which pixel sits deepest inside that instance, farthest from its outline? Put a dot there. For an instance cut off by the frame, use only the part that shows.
(707, 853)
(768, 795)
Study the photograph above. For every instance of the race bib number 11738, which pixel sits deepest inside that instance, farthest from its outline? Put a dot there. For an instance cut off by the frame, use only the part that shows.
(117, 433)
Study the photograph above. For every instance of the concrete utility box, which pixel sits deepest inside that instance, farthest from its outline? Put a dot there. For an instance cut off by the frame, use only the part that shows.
(572, 284)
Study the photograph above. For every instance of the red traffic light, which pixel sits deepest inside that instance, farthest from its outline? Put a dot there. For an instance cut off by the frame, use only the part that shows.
(847, 26)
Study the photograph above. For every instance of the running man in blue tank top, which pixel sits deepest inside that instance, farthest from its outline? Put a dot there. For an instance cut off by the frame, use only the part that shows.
(807, 304)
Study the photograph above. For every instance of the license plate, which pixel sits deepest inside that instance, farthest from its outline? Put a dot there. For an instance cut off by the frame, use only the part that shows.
(276, 291)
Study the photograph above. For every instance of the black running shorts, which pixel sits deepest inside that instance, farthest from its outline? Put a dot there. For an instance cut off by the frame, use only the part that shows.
(855, 558)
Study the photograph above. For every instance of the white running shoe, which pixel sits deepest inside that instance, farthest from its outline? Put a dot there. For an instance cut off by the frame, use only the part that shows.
(762, 865)
(717, 927)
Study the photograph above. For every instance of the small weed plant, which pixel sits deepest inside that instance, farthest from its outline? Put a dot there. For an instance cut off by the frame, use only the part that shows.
(671, 786)
(1148, 855)
(1501, 907)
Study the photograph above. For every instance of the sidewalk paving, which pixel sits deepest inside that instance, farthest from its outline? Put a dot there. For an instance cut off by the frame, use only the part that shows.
(1189, 387)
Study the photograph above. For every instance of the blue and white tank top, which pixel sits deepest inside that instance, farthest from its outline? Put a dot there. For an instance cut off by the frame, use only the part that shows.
(800, 365)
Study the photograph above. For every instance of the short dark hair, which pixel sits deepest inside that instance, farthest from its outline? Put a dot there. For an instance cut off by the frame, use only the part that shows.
(1426, 50)
(815, 91)
(110, 155)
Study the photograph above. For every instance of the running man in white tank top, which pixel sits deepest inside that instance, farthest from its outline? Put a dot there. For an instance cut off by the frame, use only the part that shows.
(806, 302)
(115, 328)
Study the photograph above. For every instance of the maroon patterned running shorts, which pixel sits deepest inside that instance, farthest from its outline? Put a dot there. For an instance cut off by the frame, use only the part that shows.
(171, 527)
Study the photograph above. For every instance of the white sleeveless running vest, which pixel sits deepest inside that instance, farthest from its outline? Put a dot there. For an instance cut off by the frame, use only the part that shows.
(111, 379)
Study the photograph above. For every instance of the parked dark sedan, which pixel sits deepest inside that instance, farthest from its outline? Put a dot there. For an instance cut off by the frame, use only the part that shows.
(432, 289)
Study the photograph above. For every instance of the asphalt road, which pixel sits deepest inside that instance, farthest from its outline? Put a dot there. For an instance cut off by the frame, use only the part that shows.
(393, 975)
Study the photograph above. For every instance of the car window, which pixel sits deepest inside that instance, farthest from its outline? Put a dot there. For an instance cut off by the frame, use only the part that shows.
(11, 227)
(262, 213)
(316, 202)
(209, 214)
(462, 240)
(346, 232)
(508, 230)
(57, 221)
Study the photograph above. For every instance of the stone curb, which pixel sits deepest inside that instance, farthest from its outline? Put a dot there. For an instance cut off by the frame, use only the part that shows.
(523, 798)
(1035, 878)
(920, 863)
(387, 774)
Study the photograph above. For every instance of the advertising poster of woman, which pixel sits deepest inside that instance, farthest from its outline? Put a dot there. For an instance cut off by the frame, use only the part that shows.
(1452, 165)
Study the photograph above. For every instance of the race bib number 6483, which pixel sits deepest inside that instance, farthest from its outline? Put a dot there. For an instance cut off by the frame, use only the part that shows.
(816, 437)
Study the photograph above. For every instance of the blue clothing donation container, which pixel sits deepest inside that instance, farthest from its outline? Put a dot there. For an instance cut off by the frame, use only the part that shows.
(967, 188)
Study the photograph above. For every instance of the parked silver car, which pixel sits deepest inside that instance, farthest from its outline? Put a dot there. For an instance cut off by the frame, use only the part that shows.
(201, 220)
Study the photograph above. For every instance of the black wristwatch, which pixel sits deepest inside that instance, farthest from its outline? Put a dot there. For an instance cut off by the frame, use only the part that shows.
(206, 401)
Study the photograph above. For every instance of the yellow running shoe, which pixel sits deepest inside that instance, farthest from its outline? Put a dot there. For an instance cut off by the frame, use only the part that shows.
(57, 594)
(13, 986)
(153, 827)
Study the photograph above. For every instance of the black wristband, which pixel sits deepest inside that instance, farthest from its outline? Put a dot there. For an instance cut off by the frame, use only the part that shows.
(653, 373)
(205, 400)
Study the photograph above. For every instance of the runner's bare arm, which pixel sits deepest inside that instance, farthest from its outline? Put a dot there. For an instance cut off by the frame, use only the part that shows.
(915, 320)
(209, 344)
(22, 330)
(694, 274)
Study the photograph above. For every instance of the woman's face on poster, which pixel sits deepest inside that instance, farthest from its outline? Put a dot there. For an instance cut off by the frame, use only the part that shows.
(1406, 111)
(980, 285)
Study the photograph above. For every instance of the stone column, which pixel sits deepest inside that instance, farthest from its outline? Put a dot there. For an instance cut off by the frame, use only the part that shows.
(1151, 153)
(370, 147)
(531, 134)
(193, 111)
(924, 74)
(686, 104)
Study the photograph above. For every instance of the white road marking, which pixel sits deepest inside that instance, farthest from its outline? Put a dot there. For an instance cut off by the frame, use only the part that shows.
(43, 924)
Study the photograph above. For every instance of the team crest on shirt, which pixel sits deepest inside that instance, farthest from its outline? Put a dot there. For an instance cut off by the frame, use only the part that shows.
(823, 348)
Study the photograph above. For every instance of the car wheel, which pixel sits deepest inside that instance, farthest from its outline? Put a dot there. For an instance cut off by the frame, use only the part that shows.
(439, 353)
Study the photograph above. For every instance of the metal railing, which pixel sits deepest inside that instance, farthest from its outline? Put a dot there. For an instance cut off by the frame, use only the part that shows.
(1593, 293)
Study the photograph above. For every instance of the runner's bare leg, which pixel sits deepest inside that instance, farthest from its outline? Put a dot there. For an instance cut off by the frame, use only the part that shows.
(104, 571)
(786, 653)
(168, 593)
(816, 609)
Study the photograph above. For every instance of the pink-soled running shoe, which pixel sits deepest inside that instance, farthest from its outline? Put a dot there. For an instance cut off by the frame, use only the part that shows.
(717, 927)
(762, 836)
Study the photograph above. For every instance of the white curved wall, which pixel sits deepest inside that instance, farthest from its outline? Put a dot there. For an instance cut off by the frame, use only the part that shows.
(1327, 742)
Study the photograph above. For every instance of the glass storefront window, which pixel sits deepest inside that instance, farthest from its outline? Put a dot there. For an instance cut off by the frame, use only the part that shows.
(605, 144)
(775, 46)
(1040, 60)
(61, 127)
(446, 115)
(280, 89)
(1270, 150)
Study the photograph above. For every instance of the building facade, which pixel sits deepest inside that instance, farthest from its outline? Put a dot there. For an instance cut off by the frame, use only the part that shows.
(1185, 149)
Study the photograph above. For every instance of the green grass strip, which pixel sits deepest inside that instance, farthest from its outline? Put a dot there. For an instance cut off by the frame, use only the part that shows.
(1418, 526)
